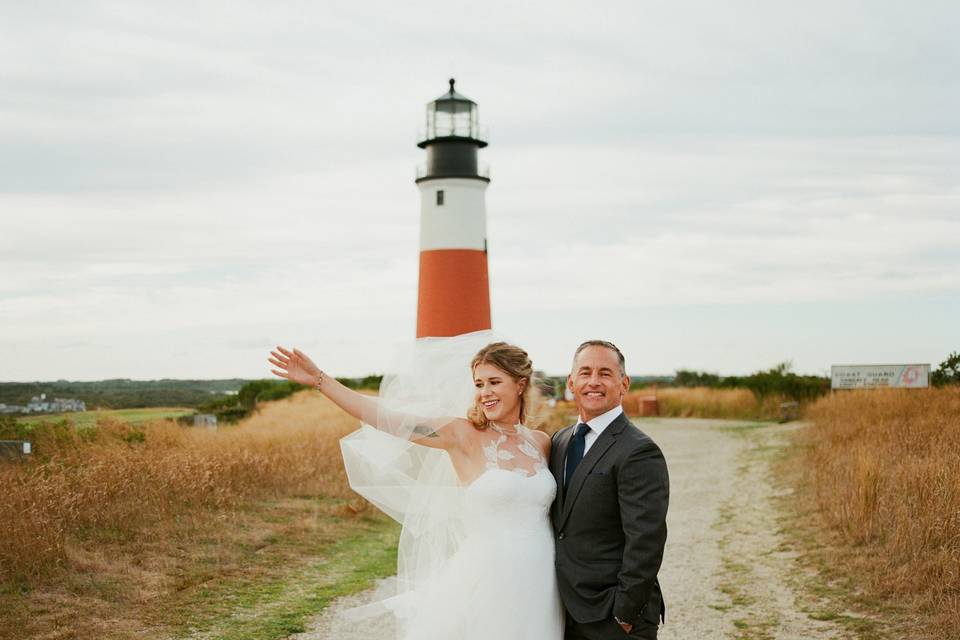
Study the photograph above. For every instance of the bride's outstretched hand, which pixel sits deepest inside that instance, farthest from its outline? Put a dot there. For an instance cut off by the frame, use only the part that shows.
(294, 366)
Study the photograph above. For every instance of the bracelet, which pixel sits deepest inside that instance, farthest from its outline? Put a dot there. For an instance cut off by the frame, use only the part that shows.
(319, 383)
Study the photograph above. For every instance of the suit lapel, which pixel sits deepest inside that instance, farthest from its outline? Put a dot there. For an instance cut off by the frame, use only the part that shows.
(558, 462)
(604, 442)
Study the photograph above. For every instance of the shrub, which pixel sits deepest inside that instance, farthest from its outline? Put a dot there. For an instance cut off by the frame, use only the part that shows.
(367, 382)
(948, 373)
(777, 381)
(233, 408)
(686, 378)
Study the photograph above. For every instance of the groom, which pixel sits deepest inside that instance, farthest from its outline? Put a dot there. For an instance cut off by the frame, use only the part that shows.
(609, 518)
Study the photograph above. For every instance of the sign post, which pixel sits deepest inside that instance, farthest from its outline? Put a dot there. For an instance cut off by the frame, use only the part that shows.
(878, 376)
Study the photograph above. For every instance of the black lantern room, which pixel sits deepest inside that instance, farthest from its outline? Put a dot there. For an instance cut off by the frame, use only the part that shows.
(452, 138)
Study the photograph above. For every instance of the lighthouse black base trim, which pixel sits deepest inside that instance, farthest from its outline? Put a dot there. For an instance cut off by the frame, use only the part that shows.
(474, 177)
(479, 142)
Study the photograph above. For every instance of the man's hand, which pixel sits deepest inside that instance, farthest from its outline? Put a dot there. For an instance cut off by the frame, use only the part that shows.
(626, 626)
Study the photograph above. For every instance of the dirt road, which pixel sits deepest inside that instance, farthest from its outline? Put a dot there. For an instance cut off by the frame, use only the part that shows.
(728, 571)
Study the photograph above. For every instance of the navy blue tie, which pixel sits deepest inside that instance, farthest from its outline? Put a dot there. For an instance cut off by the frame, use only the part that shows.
(575, 454)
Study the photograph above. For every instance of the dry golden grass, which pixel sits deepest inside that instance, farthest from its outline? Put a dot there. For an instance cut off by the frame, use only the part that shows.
(704, 402)
(107, 483)
(884, 469)
(124, 531)
(552, 419)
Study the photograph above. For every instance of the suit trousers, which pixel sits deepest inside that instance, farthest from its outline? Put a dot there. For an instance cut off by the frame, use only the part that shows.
(607, 630)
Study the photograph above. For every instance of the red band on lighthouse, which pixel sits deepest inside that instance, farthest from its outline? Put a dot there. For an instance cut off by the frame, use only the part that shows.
(454, 293)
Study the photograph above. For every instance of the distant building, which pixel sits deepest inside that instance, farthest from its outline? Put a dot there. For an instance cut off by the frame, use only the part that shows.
(40, 404)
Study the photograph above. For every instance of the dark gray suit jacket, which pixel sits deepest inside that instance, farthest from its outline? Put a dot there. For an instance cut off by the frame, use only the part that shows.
(610, 527)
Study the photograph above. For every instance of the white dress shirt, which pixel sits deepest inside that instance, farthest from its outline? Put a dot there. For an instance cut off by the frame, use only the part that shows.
(597, 425)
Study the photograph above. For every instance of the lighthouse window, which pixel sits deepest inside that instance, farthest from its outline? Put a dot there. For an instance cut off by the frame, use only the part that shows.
(440, 198)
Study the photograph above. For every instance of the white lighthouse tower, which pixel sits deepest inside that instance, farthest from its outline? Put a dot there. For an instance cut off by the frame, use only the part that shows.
(454, 291)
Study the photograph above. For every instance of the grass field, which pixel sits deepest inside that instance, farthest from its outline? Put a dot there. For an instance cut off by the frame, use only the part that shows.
(134, 527)
(705, 402)
(881, 474)
(83, 419)
(149, 529)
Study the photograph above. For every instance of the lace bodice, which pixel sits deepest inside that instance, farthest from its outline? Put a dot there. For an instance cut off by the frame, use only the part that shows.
(515, 451)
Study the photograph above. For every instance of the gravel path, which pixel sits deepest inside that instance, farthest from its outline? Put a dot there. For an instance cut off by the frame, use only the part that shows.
(727, 571)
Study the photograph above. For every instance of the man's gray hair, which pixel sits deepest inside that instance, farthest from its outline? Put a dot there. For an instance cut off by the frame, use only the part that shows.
(606, 345)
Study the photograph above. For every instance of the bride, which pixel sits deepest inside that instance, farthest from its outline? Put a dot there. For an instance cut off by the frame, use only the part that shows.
(466, 478)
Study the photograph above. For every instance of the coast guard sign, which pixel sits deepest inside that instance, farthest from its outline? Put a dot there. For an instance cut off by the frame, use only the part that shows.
(874, 376)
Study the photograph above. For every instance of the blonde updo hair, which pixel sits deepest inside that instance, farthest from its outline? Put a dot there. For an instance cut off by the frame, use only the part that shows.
(513, 361)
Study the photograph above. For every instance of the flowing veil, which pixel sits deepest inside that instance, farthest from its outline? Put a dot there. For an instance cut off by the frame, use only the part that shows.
(429, 384)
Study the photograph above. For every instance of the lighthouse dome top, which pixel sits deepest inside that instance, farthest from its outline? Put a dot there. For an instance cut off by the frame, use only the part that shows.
(452, 116)
(448, 99)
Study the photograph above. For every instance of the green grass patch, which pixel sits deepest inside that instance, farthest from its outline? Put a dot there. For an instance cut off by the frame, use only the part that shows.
(825, 615)
(251, 608)
(83, 419)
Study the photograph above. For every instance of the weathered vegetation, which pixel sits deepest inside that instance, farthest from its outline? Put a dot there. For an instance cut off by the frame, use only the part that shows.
(122, 529)
(882, 470)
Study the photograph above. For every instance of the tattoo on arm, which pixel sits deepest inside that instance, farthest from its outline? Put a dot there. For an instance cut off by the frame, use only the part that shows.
(425, 431)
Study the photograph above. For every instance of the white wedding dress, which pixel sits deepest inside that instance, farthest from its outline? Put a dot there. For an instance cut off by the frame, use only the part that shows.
(501, 583)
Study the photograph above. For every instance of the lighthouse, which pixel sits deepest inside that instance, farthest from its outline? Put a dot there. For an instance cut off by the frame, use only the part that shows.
(454, 291)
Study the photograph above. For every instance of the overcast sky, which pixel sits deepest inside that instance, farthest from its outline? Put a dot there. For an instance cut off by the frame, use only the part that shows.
(718, 186)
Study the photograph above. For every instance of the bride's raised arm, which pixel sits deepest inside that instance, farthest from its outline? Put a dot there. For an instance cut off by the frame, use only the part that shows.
(440, 433)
